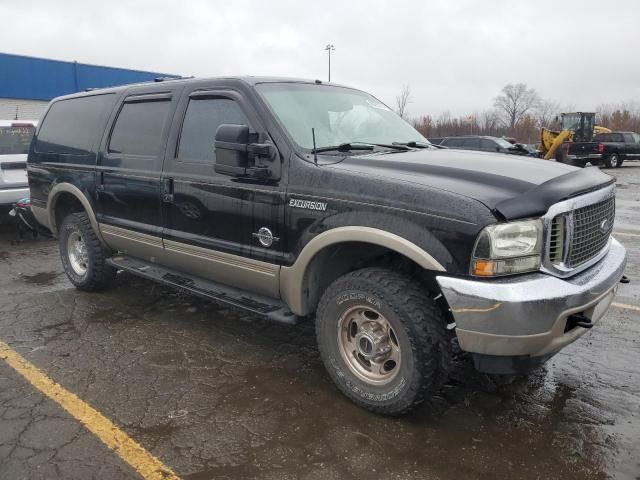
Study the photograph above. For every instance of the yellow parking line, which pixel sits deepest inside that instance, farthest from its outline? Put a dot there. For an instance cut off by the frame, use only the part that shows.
(128, 449)
(626, 306)
(624, 234)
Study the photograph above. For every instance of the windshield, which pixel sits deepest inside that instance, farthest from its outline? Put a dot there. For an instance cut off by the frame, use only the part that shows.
(15, 140)
(338, 115)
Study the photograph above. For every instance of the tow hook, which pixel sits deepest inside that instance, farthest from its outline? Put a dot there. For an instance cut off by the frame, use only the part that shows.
(580, 320)
(625, 279)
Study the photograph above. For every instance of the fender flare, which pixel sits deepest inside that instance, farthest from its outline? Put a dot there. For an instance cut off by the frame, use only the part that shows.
(292, 278)
(54, 194)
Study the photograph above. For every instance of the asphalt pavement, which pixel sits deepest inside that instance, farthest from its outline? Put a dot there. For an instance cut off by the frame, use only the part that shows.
(209, 392)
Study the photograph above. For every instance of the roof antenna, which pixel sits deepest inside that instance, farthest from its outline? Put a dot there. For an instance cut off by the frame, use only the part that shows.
(315, 154)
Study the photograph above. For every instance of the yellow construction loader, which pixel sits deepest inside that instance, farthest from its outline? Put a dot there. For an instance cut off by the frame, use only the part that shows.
(574, 127)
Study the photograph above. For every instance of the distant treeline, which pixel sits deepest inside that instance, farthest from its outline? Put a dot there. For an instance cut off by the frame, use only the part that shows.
(520, 113)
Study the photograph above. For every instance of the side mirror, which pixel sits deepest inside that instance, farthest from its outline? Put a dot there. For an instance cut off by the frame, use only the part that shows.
(238, 155)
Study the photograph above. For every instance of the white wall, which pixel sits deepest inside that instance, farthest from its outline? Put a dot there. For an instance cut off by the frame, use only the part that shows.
(26, 109)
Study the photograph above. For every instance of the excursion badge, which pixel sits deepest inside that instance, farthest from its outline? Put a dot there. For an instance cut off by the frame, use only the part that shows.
(308, 204)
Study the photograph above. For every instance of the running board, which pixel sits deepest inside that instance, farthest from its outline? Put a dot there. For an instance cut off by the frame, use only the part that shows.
(262, 305)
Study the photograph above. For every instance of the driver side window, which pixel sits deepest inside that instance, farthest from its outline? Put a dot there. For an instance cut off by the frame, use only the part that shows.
(202, 119)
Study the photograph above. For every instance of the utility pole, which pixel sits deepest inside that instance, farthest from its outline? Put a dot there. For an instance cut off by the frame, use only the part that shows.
(329, 48)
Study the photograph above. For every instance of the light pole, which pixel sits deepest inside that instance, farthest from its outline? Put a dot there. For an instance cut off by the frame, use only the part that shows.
(329, 48)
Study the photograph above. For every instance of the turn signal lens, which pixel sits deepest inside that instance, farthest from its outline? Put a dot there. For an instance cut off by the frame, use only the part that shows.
(484, 268)
(490, 268)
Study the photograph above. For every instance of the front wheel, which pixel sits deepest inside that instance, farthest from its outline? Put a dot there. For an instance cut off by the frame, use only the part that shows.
(83, 256)
(383, 340)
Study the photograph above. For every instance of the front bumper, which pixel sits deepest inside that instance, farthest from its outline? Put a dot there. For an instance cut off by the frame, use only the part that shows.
(526, 316)
(9, 196)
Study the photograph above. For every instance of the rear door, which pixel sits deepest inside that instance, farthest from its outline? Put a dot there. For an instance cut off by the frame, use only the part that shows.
(128, 172)
(471, 143)
(487, 145)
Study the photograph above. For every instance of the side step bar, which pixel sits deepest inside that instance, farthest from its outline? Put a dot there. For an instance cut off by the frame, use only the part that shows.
(262, 305)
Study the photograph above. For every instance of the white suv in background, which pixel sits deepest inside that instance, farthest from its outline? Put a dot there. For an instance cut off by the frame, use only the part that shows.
(15, 138)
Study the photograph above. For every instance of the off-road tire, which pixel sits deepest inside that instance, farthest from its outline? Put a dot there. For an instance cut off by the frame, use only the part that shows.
(612, 161)
(98, 274)
(420, 328)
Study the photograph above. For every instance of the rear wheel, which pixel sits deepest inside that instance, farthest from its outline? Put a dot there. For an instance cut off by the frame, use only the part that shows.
(382, 340)
(83, 256)
(612, 161)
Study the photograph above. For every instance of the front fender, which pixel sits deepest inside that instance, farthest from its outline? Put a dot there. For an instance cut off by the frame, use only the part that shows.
(292, 279)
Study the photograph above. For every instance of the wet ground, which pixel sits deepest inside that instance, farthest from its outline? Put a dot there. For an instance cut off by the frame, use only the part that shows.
(215, 393)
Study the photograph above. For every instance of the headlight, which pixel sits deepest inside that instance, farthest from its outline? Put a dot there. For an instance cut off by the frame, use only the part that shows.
(505, 248)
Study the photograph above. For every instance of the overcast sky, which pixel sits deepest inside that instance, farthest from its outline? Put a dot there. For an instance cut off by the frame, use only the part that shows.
(455, 55)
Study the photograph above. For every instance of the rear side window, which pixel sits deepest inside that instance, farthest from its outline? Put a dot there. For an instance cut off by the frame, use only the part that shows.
(75, 125)
(628, 138)
(139, 127)
(201, 121)
(471, 143)
(453, 142)
(488, 145)
(15, 140)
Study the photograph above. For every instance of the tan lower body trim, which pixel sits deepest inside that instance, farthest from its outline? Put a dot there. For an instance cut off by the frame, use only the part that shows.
(41, 216)
(229, 269)
(293, 279)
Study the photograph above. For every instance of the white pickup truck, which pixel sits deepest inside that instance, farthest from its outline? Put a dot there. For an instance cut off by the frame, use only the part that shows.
(15, 138)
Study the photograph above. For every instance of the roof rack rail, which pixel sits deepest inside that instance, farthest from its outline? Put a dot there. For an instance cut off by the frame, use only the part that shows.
(166, 79)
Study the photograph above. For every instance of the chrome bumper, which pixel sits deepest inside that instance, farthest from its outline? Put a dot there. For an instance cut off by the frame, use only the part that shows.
(588, 156)
(527, 314)
(12, 195)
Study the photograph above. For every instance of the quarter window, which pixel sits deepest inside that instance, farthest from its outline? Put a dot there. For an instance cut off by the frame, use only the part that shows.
(73, 126)
(139, 127)
(201, 121)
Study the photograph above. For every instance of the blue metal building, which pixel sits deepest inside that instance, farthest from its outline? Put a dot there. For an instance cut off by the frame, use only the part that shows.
(28, 83)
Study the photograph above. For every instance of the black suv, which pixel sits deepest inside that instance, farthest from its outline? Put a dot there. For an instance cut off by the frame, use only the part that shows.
(296, 199)
(486, 144)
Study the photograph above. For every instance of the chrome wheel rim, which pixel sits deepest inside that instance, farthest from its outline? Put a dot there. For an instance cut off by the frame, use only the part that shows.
(368, 345)
(77, 253)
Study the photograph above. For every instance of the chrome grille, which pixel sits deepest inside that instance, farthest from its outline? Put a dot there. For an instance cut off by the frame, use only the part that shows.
(556, 239)
(573, 240)
(592, 226)
(579, 235)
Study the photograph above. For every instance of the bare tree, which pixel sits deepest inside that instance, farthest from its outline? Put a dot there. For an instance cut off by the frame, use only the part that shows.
(546, 112)
(402, 101)
(515, 102)
(489, 121)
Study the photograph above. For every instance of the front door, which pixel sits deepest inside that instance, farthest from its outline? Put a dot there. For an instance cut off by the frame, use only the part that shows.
(208, 217)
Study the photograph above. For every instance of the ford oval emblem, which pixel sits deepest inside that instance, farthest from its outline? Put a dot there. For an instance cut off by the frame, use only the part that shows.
(604, 226)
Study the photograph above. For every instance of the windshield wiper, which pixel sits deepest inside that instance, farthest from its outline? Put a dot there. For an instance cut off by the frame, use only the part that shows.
(351, 146)
(414, 144)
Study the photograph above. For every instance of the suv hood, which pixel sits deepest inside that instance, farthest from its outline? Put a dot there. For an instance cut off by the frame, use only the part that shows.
(511, 186)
